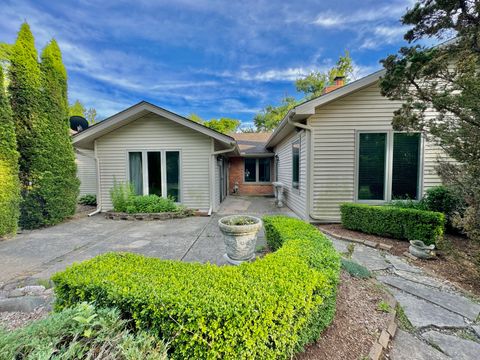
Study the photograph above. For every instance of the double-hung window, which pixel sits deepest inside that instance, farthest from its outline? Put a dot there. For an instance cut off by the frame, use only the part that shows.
(388, 166)
(257, 170)
(155, 172)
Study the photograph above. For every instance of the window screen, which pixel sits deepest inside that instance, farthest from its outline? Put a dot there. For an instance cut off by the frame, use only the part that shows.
(264, 170)
(371, 166)
(154, 173)
(136, 172)
(406, 166)
(296, 164)
(173, 174)
(250, 171)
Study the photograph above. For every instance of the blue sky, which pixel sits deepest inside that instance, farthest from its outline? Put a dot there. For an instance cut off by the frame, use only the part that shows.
(214, 58)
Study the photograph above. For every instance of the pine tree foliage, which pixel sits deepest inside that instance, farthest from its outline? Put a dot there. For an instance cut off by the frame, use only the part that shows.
(9, 182)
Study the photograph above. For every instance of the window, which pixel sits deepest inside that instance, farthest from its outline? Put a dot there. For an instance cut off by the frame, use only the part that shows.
(371, 166)
(257, 170)
(136, 172)
(155, 172)
(296, 164)
(389, 166)
(406, 166)
(264, 170)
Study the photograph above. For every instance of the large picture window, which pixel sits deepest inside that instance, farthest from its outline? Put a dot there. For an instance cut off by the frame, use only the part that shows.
(155, 172)
(257, 170)
(389, 166)
(296, 164)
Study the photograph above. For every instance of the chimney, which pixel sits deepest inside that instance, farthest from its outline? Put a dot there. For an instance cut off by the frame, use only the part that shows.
(338, 82)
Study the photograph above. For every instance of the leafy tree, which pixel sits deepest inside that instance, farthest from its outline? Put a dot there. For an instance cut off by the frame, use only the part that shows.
(9, 182)
(313, 84)
(54, 188)
(223, 125)
(77, 109)
(445, 79)
(271, 116)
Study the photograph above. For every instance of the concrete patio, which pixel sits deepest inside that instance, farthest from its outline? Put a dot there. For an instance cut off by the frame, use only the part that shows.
(38, 254)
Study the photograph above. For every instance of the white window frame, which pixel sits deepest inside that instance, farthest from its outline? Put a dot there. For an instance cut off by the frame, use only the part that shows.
(163, 164)
(299, 141)
(257, 174)
(388, 166)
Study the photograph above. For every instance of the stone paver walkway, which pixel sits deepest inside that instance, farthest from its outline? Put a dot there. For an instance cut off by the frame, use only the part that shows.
(446, 323)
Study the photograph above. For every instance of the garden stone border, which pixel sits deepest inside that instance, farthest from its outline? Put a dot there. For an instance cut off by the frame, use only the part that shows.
(112, 215)
(387, 334)
(373, 244)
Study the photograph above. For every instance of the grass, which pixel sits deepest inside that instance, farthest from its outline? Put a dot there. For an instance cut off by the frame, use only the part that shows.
(384, 307)
(356, 270)
(403, 321)
(46, 283)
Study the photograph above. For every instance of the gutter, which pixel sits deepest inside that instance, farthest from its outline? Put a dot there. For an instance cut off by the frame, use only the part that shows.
(212, 172)
(99, 196)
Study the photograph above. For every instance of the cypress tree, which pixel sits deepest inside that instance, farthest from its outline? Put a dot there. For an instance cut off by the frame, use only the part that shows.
(53, 193)
(9, 182)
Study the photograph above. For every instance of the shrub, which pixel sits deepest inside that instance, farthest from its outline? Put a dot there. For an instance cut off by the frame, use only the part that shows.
(409, 204)
(88, 199)
(120, 194)
(150, 204)
(356, 270)
(266, 309)
(399, 223)
(9, 182)
(81, 332)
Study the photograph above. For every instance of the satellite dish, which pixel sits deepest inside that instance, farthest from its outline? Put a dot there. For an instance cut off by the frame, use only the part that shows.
(78, 123)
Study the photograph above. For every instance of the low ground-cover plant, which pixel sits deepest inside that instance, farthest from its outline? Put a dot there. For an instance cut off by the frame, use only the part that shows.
(88, 199)
(391, 221)
(81, 332)
(355, 269)
(124, 200)
(267, 309)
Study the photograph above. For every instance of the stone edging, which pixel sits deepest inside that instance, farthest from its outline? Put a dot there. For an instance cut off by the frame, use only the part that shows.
(369, 243)
(150, 216)
(386, 334)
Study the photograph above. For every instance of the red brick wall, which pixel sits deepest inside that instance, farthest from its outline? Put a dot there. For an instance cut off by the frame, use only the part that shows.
(236, 175)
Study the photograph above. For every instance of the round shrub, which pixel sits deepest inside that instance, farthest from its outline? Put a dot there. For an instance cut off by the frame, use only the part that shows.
(267, 309)
(88, 199)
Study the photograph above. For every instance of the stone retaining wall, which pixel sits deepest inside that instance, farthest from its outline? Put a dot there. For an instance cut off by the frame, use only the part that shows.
(149, 216)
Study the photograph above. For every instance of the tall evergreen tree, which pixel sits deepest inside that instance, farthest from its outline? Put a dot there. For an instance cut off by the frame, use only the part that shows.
(24, 93)
(9, 183)
(53, 194)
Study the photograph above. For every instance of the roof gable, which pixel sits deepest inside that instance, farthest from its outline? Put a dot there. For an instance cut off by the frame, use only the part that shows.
(86, 138)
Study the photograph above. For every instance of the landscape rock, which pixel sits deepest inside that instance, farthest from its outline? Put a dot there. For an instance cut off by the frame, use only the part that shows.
(408, 347)
(401, 265)
(457, 348)
(22, 304)
(370, 258)
(476, 328)
(422, 313)
(453, 302)
(421, 279)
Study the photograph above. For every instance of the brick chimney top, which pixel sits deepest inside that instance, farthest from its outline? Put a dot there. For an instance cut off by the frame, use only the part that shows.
(338, 82)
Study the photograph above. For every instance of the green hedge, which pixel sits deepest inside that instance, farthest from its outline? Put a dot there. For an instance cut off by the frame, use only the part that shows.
(396, 222)
(267, 309)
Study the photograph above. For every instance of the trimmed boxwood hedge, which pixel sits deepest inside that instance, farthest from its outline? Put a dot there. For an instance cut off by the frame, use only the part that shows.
(396, 222)
(267, 309)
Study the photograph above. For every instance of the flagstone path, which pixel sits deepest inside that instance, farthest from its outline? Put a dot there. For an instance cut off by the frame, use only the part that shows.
(445, 323)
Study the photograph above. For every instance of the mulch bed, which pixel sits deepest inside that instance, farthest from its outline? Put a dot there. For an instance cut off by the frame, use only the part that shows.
(357, 322)
(455, 262)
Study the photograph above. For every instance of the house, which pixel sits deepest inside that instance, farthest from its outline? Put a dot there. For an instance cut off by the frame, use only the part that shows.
(339, 147)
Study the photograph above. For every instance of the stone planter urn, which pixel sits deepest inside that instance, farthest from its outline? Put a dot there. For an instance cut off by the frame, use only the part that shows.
(420, 250)
(240, 236)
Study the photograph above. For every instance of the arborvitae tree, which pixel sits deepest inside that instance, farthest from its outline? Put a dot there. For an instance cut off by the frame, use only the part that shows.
(24, 92)
(9, 183)
(54, 189)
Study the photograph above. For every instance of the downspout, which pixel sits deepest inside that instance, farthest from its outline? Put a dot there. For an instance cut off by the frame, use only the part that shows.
(212, 171)
(308, 161)
(99, 196)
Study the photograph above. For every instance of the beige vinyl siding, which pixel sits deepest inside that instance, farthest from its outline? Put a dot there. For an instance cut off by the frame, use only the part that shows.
(217, 184)
(154, 133)
(87, 172)
(334, 135)
(295, 199)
